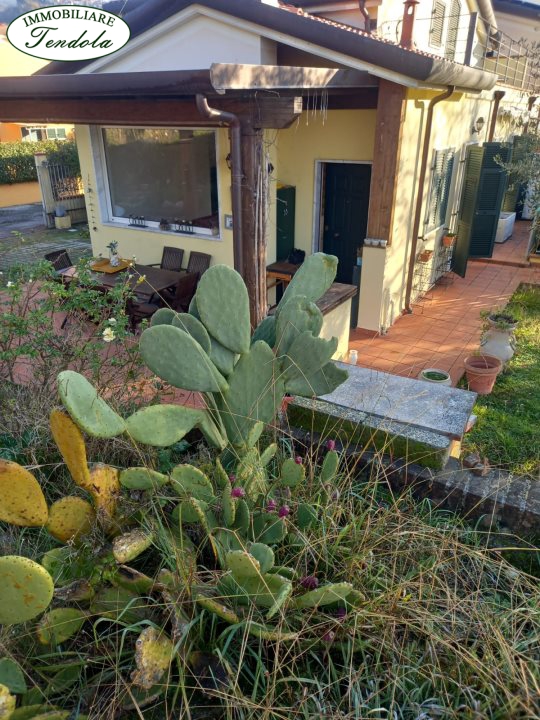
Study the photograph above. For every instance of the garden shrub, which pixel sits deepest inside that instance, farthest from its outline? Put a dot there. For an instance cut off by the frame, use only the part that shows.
(17, 163)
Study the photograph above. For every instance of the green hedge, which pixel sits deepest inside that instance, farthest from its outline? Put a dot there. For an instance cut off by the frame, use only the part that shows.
(17, 159)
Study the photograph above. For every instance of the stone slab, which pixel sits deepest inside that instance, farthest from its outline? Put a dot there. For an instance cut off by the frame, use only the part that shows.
(420, 404)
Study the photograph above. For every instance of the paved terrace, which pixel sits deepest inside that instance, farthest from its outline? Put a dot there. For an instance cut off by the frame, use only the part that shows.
(445, 325)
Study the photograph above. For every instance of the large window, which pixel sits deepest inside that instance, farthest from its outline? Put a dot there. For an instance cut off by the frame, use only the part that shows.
(439, 192)
(157, 174)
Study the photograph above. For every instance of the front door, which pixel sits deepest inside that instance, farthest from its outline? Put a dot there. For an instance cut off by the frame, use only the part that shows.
(345, 213)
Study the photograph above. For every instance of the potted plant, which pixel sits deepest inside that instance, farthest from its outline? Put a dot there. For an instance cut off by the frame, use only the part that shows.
(434, 375)
(449, 238)
(481, 371)
(498, 338)
(425, 256)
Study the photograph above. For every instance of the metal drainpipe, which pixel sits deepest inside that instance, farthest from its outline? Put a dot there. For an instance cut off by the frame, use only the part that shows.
(233, 122)
(362, 7)
(497, 97)
(420, 194)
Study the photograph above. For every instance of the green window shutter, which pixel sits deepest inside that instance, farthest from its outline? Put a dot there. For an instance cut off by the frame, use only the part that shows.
(512, 193)
(441, 180)
(453, 29)
(436, 29)
(469, 191)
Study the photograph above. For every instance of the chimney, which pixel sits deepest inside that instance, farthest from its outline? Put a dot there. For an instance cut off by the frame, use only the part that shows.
(407, 29)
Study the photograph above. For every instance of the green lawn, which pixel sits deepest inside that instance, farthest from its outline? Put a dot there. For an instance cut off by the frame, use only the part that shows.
(508, 427)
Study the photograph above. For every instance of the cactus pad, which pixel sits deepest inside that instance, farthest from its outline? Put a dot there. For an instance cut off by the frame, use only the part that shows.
(223, 358)
(292, 473)
(174, 356)
(264, 554)
(271, 634)
(297, 316)
(189, 481)
(70, 518)
(70, 442)
(7, 703)
(162, 425)
(263, 591)
(330, 466)
(130, 545)
(306, 516)
(242, 565)
(163, 316)
(117, 603)
(322, 382)
(58, 625)
(266, 331)
(229, 506)
(281, 598)
(269, 529)
(312, 279)
(223, 304)
(242, 517)
(26, 589)
(154, 652)
(215, 606)
(141, 478)
(87, 408)
(104, 488)
(325, 595)
(21, 499)
(188, 323)
(268, 454)
(307, 355)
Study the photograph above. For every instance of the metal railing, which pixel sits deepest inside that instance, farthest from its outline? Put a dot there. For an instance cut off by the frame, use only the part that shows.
(470, 40)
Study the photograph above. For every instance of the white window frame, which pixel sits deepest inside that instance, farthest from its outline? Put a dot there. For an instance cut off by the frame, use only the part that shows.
(108, 217)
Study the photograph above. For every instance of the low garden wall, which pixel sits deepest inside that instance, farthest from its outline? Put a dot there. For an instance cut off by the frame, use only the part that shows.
(19, 194)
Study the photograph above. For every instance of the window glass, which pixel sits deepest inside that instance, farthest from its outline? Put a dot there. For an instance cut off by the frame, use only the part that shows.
(162, 174)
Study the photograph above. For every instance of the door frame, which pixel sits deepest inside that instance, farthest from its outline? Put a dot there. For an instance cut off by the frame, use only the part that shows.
(318, 200)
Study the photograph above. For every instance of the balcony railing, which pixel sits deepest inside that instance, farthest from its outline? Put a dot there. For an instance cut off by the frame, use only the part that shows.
(470, 40)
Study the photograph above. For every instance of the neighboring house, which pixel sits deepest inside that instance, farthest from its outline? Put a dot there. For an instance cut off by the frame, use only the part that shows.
(217, 108)
(519, 20)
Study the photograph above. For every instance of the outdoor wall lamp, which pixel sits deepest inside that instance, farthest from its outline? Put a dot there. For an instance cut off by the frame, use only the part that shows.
(478, 125)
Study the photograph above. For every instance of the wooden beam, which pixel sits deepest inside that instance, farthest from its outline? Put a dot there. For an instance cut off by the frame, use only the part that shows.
(229, 76)
(265, 112)
(386, 155)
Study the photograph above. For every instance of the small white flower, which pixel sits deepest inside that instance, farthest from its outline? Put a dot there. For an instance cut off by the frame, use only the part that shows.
(108, 334)
(10, 284)
(112, 321)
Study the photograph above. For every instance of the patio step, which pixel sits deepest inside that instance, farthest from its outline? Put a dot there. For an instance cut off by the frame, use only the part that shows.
(402, 417)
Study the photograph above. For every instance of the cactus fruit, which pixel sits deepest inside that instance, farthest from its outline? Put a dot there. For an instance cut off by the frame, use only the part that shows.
(7, 703)
(189, 481)
(130, 545)
(188, 323)
(154, 652)
(58, 625)
(312, 279)
(104, 488)
(329, 467)
(223, 305)
(174, 356)
(141, 478)
(91, 413)
(324, 595)
(162, 425)
(70, 518)
(214, 605)
(21, 499)
(264, 555)
(26, 589)
(292, 473)
(70, 442)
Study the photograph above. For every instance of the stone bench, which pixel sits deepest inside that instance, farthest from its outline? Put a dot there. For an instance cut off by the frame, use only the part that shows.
(401, 417)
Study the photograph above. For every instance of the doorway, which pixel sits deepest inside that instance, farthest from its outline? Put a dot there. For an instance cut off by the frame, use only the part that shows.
(344, 203)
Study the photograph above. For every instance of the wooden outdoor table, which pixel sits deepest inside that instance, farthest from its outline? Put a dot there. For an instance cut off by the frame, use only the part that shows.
(155, 281)
(281, 271)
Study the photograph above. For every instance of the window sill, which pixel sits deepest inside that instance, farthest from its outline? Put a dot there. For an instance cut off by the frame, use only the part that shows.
(157, 231)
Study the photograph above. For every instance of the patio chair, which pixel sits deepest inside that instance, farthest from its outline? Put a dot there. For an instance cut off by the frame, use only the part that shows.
(184, 291)
(59, 259)
(138, 310)
(198, 263)
(171, 259)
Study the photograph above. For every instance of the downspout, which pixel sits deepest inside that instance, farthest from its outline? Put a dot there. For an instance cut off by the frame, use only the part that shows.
(233, 122)
(420, 194)
(497, 97)
(362, 6)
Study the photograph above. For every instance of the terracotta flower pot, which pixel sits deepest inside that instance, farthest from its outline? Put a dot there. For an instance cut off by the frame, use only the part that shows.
(425, 256)
(449, 240)
(481, 371)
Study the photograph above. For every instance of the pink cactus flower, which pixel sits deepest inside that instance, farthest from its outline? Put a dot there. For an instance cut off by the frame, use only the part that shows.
(238, 492)
(232, 478)
(298, 460)
(330, 445)
(284, 510)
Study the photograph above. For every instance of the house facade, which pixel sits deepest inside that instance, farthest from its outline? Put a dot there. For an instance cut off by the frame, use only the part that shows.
(352, 120)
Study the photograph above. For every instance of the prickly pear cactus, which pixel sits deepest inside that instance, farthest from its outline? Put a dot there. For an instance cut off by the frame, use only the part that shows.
(21, 499)
(70, 518)
(58, 625)
(26, 589)
(153, 655)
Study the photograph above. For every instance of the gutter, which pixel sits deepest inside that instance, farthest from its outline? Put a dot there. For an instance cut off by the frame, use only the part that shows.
(233, 121)
(420, 192)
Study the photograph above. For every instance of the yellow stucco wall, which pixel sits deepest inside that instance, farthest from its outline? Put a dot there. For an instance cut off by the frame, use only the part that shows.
(19, 194)
(147, 244)
(336, 135)
(10, 132)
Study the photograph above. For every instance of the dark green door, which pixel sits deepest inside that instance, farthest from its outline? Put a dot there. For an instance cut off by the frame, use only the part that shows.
(346, 202)
(471, 181)
(285, 217)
